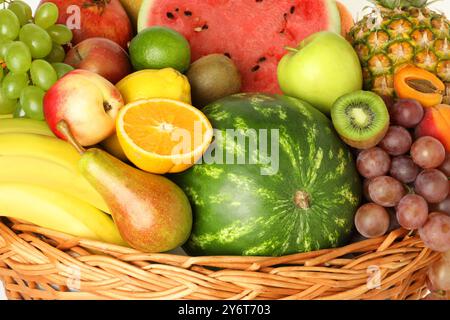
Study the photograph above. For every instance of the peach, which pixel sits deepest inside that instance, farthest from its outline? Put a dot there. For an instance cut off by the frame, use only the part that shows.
(436, 123)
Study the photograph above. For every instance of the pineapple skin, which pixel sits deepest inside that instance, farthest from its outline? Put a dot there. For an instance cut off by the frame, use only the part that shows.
(389, 39)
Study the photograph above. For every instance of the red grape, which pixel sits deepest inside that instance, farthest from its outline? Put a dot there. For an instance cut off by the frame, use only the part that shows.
(443, 206)
(386, 191)
(372, 220)
(404, 169)
(445, 166)
(407, 113)
(412, 212)
(433, 185)
(435, 234)
(397, 141)
(428, 152)
(373, 163)
(439, 275)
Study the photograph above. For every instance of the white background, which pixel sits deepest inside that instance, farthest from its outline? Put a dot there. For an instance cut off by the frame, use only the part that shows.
(356, 6)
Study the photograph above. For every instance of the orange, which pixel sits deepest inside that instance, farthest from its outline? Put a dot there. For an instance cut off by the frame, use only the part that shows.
(162, 135)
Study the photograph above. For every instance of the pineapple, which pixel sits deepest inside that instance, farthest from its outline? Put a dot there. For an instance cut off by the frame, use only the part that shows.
(397, 33)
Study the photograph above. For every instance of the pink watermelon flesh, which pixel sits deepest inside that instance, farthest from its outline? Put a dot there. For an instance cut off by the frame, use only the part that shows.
(253, 33)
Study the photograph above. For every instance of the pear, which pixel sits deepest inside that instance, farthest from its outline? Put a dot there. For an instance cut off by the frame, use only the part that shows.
(151, 212)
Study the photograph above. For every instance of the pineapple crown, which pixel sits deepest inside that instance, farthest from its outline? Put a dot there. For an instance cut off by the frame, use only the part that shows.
(402, 4)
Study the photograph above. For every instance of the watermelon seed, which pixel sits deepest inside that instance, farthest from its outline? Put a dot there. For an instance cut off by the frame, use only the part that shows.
(205, 27)
(255, 68)
(176, 9)
(227, 55)
(259, 0)
(262, 59)
(188, 13)
(292, 10)
(170, 15)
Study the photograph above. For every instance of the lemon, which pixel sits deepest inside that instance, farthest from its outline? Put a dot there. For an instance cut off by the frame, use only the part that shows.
(166, 83)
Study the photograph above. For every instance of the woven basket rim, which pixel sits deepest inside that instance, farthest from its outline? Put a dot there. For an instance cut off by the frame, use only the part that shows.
(36, 263)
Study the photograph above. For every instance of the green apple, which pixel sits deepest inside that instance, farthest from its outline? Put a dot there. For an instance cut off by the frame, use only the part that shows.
(321, 69)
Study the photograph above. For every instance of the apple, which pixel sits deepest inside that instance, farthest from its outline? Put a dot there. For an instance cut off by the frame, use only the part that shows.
(102, 56)
(87, 102)
(95, 18)
(321, 69)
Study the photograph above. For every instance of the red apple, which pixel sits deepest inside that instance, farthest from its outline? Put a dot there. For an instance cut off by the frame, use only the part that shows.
(102, 56)
(87, 102)
(94, 18)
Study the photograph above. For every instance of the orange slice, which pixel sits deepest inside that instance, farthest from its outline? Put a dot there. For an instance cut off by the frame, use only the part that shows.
(163, 136)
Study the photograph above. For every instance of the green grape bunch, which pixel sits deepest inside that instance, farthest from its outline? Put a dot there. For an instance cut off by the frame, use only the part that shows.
(31, 56)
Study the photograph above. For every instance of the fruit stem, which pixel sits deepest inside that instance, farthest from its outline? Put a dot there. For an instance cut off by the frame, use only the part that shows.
(294, 50)
(63, 127)
(301, 200)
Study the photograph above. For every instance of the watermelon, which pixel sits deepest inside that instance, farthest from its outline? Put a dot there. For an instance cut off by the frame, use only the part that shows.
(304, 201)
(253, 33)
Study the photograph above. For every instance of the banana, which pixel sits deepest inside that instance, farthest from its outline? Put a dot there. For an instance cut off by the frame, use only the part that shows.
(39, 146)
(50, 175)
(23, 125)
(6, 116)
(57, 211)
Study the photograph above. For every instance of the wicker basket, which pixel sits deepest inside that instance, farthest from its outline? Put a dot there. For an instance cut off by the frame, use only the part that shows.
(36, 263)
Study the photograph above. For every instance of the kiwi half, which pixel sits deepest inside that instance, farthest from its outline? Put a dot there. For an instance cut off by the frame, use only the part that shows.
(361, 118)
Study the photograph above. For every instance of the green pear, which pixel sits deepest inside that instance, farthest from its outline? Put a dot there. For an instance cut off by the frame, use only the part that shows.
(151, 212)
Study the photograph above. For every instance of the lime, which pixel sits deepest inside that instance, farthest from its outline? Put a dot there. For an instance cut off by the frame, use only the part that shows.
(159, 48)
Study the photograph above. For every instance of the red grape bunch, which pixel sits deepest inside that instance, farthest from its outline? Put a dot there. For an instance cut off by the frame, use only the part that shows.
(408, 175)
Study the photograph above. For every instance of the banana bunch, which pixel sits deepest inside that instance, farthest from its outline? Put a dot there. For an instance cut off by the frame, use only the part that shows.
(40, 183)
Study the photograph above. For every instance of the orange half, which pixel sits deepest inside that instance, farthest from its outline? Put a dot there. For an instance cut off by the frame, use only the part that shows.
(163, 136)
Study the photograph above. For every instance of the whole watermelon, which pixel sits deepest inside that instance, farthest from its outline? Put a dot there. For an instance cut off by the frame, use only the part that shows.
(258, 207)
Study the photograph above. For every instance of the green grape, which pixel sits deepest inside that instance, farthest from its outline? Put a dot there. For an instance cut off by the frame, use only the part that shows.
(46, 15)
(18, 57)
(9, 24)
(32, 100)
(4, 42)
(42, 74)
(57, 54)
(60, 33)
(27, 8)
(37, 40)
(19, 11)
(13, 84)
(7, 105)
(19, 112)
(62, 69)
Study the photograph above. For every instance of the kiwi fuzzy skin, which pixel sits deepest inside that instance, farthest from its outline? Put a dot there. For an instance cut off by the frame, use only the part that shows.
(362, 145)
(213, 77)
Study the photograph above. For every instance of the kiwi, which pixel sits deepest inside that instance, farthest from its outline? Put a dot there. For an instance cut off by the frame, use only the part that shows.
(361, 118)
(213, 77)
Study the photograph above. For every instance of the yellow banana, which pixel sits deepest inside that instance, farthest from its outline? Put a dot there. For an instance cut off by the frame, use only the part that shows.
(23, 125)
(50, 175)
(39, 146)
(57, 211)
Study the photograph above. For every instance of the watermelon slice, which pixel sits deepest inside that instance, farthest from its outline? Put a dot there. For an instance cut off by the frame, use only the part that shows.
(253, 33)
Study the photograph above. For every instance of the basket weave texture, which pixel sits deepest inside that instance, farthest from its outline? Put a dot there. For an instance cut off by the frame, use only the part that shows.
(37, 263)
